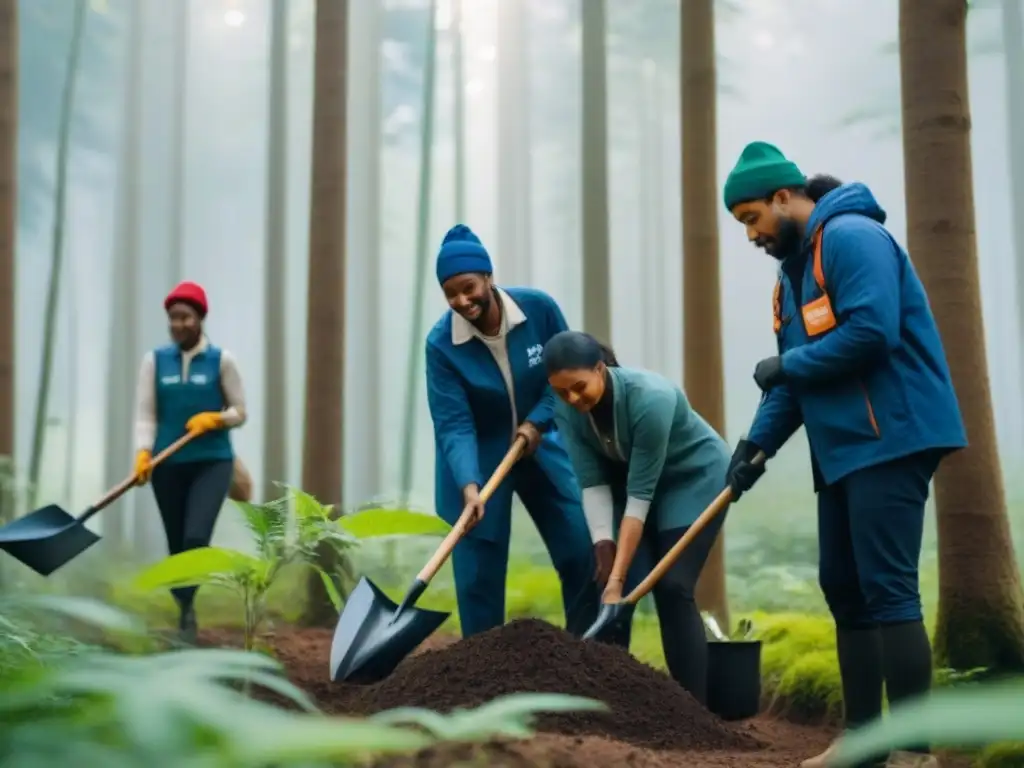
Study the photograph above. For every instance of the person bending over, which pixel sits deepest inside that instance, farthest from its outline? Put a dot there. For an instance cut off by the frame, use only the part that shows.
(648, 465)
(486, 386)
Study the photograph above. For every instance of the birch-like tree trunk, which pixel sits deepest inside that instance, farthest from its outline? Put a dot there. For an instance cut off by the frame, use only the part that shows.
(275, 342)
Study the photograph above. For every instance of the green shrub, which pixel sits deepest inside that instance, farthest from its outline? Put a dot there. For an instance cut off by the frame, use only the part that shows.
(975, 715)
(101, 708)
(1003, 755)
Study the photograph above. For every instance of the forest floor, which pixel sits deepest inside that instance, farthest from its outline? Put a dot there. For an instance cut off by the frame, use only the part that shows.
(652, 722)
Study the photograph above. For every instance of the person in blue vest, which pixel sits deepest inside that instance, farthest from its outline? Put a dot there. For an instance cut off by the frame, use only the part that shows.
(648, 466)
(861, 366)
(486, 385)
(189, 386)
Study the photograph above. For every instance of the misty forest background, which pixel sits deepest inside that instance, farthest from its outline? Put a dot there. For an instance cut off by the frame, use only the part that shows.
(173, 148)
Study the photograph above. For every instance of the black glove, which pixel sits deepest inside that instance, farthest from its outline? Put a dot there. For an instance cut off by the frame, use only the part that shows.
(742, 473)
(769, 373)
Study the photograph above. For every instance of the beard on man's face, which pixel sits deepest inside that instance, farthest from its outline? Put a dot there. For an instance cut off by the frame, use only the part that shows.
(477, 308)
(784, 242)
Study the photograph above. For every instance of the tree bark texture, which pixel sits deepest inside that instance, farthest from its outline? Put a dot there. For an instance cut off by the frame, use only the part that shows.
(8, 217)
(702, 324)
(981, 614)
(325, 329)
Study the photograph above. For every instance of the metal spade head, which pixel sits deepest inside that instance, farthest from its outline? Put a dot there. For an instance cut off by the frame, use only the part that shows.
(46, 539)
(374, 635)
(611, 622)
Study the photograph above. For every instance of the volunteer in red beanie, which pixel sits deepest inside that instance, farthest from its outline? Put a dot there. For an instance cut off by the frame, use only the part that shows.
(189, 386)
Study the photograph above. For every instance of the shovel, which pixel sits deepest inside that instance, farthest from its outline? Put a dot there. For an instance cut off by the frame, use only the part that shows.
(613, 616)
(374, 633)
(48, 538)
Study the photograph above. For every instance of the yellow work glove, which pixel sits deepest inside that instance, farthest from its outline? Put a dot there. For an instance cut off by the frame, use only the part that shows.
(204, 422)
(143, 470)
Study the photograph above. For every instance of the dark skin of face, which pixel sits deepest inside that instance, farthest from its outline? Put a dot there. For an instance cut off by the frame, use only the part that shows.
(185, 325)
(777, 225)
(472, 296)
(582, 388)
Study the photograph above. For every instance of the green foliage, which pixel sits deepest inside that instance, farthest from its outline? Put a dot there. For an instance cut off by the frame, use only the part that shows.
(251, 576)
(1004, 755)
(285, 532)
(377, 523)
(973, 715)
(509, 716)
(87, 706)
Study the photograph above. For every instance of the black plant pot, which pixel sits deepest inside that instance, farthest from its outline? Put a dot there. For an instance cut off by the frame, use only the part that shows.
(734, 678)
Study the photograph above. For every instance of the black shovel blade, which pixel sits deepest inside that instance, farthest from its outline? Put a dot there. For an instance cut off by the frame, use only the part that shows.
(373, 636)
(46, 539)
(612, 620)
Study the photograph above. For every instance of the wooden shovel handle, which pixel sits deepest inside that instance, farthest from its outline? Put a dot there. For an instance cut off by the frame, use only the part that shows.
(458, 530)
(662, 567)
(129, 482)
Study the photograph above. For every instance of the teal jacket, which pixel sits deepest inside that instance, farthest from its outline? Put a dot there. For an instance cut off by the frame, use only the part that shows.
(662, 452)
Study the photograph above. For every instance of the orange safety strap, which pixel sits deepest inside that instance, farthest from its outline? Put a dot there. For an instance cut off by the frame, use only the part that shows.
(819, 270)
(819, 278)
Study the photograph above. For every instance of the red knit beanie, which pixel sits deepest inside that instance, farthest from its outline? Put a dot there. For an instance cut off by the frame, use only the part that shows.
(188, 293)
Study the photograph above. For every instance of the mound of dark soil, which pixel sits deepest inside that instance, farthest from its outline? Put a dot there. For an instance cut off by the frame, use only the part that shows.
(647, 708)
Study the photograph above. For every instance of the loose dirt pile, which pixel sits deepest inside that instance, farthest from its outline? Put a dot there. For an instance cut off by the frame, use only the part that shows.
(647, 708)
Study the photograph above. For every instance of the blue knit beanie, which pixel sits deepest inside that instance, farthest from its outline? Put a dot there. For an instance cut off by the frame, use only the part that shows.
(461, 252)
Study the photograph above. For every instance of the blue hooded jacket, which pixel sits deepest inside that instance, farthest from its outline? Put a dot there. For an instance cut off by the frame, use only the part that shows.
(875, 386)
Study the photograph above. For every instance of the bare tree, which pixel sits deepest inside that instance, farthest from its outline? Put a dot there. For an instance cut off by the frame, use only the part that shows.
(702, 314)
(124, 341)
(597, 299)
(8, 219)
(514, 247)
(52, 307)
(981, 610)
(275, 346)
(323, 439)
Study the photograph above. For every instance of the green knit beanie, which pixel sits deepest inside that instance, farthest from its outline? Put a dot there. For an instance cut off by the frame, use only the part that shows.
(761, 171)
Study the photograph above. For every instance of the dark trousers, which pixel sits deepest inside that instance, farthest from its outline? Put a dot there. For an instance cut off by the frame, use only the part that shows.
(683, 637)
(870, 526)
(190, 495)
(481, 566)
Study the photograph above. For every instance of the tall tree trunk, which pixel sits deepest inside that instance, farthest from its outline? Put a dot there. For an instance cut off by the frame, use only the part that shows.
(363, 385)
(410, 431)
(702, 321)
(71, 424)
(514, 251)
(124, 280)
(275, 342)
(459, 108)
(8, 230)
(1013, 53)
(981, 610)
(323, 439)
(179, 139)
(597, 297)
(52, 308)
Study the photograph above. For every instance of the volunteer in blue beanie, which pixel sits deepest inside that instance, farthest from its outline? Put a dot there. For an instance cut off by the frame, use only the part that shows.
(486, 384)
(861, 366)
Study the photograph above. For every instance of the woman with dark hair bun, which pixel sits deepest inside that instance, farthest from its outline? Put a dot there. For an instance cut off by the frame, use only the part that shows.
(640, 453)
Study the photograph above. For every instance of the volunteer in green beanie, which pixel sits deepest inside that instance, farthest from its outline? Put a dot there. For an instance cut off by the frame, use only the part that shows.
(861, 366)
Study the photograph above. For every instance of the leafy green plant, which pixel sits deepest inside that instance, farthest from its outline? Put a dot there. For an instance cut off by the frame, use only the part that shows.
(184, 708)
(510, 716)
(967, 716)
(288, 531)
